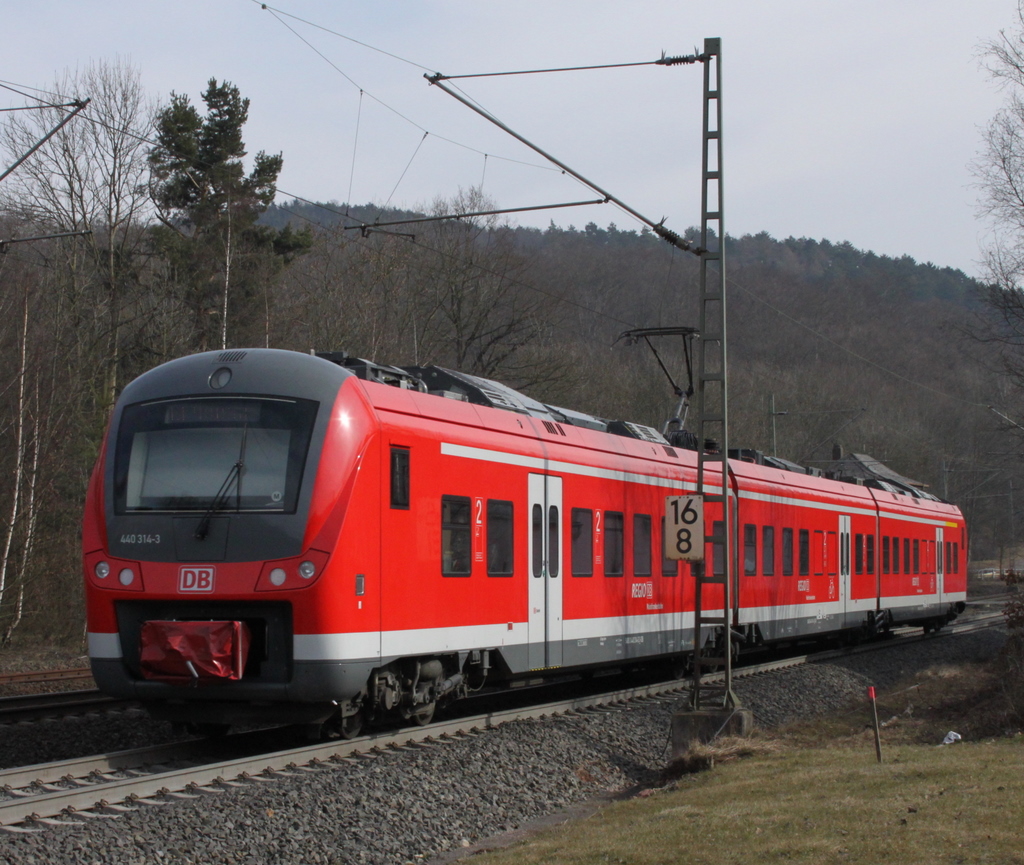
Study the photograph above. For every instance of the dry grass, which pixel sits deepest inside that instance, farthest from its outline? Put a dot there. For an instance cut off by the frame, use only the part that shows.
(926, 805)
(814, 793)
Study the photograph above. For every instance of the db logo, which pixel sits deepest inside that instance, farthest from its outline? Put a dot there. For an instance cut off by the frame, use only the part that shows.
(195, 579)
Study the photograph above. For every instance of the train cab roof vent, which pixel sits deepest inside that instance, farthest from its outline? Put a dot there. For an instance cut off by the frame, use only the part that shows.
(670, 451)
(636, 431)
(231, 356)
(553, 428)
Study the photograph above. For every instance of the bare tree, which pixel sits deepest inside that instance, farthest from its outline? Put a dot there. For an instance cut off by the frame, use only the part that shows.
(91, 176)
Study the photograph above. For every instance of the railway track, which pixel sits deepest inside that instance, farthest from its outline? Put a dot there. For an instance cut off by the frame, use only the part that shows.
(103, 786)
(45, 677)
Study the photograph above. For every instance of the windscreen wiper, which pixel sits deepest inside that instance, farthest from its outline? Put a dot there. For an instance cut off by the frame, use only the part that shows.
(234, 475)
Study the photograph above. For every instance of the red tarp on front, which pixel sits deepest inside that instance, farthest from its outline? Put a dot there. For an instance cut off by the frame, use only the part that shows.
(187, 653)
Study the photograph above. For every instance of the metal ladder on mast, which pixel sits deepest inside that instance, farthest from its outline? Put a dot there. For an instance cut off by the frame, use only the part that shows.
(712, 404)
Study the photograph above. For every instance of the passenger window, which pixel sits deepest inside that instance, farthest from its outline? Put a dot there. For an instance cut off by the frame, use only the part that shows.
(917, 556)
(641, 545)
(582, 528)
(400, 478)
(858, 554)
(956, 557)
(718, 548)
(870, 552)
(613, 543)
(895, 555)
(669, 567)
(455, 536)
(750, 550)
(805, 552)
(787, 552)
(885, 554)
(768, 551)
(906, 555)
(499, 538)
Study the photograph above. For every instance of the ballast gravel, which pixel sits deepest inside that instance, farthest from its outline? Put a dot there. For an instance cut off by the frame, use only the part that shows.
(411, 805)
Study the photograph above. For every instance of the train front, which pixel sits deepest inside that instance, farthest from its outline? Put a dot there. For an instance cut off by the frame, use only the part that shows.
(210, 522)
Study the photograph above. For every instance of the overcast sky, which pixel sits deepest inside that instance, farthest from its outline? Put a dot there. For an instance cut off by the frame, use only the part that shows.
(844, 121)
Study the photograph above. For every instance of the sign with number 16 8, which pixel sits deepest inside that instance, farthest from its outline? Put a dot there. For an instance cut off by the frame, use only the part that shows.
(684, 528)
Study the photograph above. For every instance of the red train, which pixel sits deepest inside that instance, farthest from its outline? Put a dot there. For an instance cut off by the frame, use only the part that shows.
(278, 537)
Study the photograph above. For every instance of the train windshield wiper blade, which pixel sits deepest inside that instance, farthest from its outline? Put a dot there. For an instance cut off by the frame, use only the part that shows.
(234, 474)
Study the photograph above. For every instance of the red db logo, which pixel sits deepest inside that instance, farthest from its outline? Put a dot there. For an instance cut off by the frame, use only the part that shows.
(195, 579)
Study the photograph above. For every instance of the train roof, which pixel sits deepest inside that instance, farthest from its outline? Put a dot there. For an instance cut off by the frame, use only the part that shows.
(859, 469)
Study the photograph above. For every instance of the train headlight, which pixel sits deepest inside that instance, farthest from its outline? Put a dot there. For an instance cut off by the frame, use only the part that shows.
(277, 576)
(126, 577)
(306, 570)
(102, 570)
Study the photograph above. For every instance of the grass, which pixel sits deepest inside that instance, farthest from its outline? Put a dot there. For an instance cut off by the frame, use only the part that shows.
(927, 804)
(814, 793)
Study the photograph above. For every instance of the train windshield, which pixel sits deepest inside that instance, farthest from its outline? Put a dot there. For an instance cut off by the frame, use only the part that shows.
(234, 454)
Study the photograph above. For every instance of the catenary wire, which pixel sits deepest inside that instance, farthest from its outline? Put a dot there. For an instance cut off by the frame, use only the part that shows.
(395, 111)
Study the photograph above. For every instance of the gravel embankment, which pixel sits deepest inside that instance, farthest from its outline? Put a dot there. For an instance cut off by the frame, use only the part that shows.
(408, 806)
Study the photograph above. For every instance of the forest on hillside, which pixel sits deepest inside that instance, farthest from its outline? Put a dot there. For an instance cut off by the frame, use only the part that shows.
(170, 246)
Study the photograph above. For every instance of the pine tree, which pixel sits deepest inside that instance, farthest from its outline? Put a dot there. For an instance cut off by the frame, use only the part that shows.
(219, 261)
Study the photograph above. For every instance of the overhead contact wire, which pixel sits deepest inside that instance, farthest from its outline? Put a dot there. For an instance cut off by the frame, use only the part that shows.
(379, 101)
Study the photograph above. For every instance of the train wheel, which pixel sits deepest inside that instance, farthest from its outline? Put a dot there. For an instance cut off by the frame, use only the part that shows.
(352, 726)
(424, 715)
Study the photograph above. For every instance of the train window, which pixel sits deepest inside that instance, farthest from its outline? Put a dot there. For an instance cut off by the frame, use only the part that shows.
(554, 553)
(787, 552)
(669, 567)
(818, 551)
(906, 555)
(582, 528)
(455, 536)
(499, 538)
(858, 554)
(768, 551)
(537, 533)
(184, 455)
(613, 543)
(718, 548)
(895, 555)
(805, 552)
(956, 558)
(917, 556)
(830, 554)
(641, 545)
(869, 552)
(749, 550)
(400, 478)
(885, 554)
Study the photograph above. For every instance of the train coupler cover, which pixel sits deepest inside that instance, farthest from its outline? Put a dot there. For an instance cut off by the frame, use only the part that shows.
(193, 653)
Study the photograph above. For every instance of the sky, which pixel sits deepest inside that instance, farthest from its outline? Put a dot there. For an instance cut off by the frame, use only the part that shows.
(842, 121)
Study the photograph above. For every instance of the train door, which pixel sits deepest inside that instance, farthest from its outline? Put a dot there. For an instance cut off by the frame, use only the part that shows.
(940, 574)
(844, 564)
(544, 552)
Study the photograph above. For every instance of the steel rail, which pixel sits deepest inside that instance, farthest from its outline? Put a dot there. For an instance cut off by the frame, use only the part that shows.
(31, 707)
(91, 793)
(43, 676)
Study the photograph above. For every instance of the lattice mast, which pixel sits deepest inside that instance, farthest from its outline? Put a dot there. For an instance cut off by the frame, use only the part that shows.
(712, 419)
